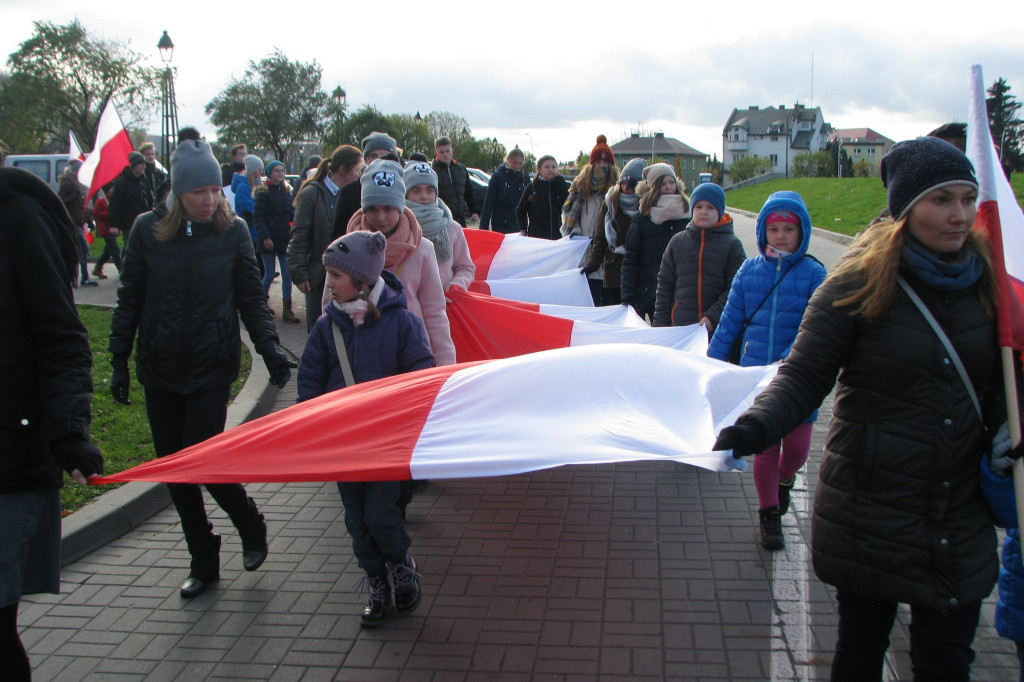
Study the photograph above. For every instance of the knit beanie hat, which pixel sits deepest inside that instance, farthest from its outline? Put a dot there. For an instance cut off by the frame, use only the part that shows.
(632, 172)
(360, 254)
(382, 185)
(193, 165)
(272, 165)
(419, 173)
(913, 168)
(135, 158)
(375, 141)
(253, 163)
(654, 173)
(601, 151)
(709, 191)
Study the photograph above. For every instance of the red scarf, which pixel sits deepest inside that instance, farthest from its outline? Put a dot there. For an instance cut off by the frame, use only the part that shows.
(401, 242)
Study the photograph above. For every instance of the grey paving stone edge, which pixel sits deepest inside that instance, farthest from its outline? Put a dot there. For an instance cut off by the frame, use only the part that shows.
(123, 509)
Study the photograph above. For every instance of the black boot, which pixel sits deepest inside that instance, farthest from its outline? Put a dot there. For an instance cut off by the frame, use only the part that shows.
(785, 487)
(406, 580)
(771, 528)
(204, 569)
(253, 532)
(378, 593)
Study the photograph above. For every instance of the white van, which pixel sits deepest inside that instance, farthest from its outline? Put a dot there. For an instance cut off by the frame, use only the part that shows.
(49, 167)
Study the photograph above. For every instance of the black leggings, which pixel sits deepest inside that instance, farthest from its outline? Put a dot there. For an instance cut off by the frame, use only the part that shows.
(12, 651)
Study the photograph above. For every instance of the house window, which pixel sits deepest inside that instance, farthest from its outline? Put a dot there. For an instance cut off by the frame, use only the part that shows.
(774, 158)
(871, 152)
(737, 157)
(693, 164)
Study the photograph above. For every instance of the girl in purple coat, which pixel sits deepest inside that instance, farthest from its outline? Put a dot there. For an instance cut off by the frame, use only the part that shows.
(381, 338)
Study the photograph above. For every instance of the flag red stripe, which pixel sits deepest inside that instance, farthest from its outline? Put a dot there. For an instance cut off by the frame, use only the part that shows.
(483, 247)
(370, 410)
(485, 329)
(480, 287)
(1010, 313)
(113, 158)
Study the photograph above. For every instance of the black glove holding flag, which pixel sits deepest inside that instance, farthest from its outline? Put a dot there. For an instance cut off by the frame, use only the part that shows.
(744, 439)
(279, 366)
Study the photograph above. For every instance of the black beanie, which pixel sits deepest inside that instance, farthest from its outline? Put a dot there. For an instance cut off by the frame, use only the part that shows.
(913, 168)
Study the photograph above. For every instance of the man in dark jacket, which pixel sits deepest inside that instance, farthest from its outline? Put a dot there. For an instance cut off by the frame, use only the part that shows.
(453, 185)
(132, 195)
(45, 396)
(237, 165)
(154, 176)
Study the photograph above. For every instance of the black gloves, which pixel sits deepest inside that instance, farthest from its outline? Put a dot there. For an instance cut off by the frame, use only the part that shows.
(120, 382)
(76, 453)
(1003, 454)
(743, 439)
(279, 366)
(589, 269)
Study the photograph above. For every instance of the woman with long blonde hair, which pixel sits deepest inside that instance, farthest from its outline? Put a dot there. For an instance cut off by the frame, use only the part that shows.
(907, 324)
(185, 280)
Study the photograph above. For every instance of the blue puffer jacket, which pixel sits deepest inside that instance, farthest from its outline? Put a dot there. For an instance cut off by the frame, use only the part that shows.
(243, 195)
(394, 344)
(774, 326)
(998, 492)
(503, 194)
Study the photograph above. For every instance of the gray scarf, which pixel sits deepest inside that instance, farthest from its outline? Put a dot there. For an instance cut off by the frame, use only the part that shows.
(434, 219)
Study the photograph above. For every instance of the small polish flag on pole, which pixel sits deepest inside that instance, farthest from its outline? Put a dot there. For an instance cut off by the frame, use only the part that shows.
(110, 155)
(74, 149)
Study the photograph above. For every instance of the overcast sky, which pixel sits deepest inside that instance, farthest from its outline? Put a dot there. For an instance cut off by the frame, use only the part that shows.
(550, 76)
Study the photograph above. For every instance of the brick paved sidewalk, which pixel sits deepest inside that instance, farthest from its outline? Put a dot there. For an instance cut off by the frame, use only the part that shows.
(647, 571)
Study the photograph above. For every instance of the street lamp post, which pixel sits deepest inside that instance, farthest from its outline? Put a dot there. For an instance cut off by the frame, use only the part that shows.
(531, 144)
(339, 96)
(169, 114)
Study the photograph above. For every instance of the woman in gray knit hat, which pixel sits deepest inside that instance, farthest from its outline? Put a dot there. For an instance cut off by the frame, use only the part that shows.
(186, 278)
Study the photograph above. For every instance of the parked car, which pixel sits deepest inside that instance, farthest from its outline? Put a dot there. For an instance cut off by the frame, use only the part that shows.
(480, 180)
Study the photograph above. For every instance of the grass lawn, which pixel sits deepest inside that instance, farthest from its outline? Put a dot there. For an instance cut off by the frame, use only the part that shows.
(845, 206)
(841, 205)
(120, 431)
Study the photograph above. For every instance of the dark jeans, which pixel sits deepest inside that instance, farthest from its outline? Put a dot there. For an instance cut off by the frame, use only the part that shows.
(374, 521)
(111, 252)
(178, 421)
(314, 304)
(940, 641)
(596, 287)
(83, 257)
(611, 296)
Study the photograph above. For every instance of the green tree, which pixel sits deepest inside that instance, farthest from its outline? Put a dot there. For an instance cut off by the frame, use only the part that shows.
(486, 154)
(452, 126)
(714, 166)
(61, 79)
(1005, 124)
(582, 159)
(366, 120)
(334, 132)
(276, 104)
(749, 167)
(530, 163)
(817, 165)
(411, 134)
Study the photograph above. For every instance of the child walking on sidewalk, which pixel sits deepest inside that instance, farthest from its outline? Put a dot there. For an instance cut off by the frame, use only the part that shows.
(762, 315)
(367, 333)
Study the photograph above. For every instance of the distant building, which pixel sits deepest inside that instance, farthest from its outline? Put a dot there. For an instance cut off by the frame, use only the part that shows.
(688, 162)
(863, 144)
(777, 134)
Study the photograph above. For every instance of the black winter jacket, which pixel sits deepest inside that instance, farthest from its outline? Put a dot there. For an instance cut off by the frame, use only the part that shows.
(898, 514)
(45, 361)
(272, 214)
(131, 198)
(696, 273)
(350, 199)
(455, 190)
(183, 298)
(539, 212)
(503, 194)
(645, 244)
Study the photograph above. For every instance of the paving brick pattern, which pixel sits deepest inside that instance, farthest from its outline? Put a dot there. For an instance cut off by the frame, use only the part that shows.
(629, 572)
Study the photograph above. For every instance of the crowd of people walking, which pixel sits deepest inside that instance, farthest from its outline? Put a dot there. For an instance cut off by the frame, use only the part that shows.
(904, 328)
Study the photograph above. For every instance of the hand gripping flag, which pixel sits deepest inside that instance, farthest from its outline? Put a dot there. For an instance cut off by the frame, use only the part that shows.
(500, 256)
(483, 328)
(110, 154)
(586, 405)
